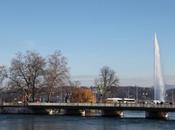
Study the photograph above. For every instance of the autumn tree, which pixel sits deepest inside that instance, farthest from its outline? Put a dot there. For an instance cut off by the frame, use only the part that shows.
(26, 72)
(107, 78)
(67, 91)
(83, 95)
(56, 73)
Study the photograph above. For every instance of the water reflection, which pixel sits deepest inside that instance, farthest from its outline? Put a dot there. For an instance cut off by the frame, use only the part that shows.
(20, 122)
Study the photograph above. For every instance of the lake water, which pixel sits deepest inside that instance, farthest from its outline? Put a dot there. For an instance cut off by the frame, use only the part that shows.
(37, 122)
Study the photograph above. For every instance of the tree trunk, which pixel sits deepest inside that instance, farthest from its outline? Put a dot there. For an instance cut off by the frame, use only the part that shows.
(33, 94)
(49, 96)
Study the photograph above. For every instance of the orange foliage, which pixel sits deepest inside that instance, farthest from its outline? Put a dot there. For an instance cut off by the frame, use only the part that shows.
(82, 95)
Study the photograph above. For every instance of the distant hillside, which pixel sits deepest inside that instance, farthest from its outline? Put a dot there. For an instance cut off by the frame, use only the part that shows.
(169, 86)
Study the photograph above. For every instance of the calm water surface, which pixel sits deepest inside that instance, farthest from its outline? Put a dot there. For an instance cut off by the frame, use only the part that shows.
(33, 122)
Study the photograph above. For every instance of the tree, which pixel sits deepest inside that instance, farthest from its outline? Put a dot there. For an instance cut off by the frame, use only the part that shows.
(82, 95)
(67, 91)
(26, 72)
(3, 74)
(107, 78)
(56, 73)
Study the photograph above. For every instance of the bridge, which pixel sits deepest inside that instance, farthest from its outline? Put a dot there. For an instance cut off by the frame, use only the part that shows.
(152, 110)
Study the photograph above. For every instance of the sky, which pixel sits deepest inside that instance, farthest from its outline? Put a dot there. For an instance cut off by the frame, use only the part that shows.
(93, 33)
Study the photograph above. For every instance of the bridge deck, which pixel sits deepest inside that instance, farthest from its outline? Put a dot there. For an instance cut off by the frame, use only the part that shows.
(100, 106)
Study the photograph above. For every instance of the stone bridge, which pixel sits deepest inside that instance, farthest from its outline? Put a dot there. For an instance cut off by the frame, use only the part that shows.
(152, 110)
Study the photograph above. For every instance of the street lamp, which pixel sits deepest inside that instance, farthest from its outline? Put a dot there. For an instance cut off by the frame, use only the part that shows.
(172, 96)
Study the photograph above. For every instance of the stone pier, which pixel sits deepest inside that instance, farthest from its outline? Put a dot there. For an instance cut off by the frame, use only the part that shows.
(156, 115)
(112, 113)
(39, 110)
(73, 112)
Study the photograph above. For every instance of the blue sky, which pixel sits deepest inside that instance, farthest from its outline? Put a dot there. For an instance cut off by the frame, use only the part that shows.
(93, 33)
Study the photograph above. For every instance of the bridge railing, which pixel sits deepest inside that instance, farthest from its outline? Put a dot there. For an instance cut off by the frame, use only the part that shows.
(93, 105)
(134, 105)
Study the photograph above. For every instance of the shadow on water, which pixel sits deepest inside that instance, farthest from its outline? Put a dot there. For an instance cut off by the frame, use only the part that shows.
(44, 122)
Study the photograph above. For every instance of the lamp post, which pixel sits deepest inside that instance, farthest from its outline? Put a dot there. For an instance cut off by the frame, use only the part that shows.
(145, 94)
(172, 96)
(136, 93)
(101, 96)
(128, 93)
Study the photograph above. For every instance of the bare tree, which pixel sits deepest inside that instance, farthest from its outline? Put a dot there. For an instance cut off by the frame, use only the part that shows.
(75, 83)
(26, 72)
(3, 74)
(107, 78)
(56, 73)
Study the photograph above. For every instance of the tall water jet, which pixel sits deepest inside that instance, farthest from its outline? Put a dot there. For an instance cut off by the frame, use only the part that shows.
(159, 86)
